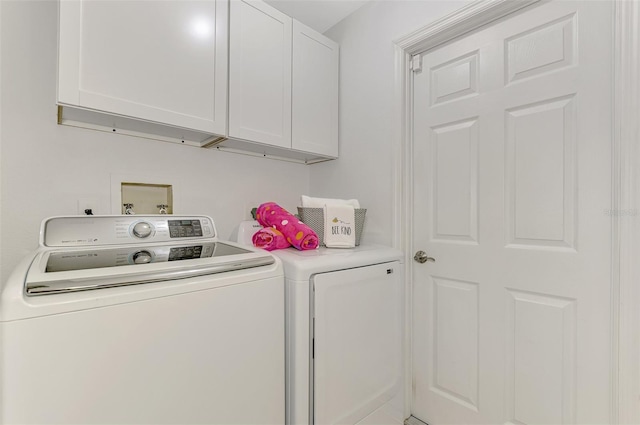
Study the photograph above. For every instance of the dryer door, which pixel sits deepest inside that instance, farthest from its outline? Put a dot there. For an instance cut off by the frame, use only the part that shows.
(357, 342)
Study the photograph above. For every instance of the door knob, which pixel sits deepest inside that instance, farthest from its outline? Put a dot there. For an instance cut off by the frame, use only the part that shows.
(422, 257)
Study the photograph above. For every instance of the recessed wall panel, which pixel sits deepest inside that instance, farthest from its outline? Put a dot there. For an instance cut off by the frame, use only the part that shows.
(455, 79)
(546, 48)
(455, 181)
(541, 192)
(456, 341)
(541, 359)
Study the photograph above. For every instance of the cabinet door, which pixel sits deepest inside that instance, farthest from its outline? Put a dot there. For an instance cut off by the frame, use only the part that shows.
(260, 74)
(162, 61)
(357, 341)
(315, 92)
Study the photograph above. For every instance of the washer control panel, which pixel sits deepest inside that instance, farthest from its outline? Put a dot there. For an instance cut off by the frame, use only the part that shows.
(142, 229)
(123, 229)
(185, 228)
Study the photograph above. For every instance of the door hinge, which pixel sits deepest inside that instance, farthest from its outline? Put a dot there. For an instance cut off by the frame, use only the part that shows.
(416, 63)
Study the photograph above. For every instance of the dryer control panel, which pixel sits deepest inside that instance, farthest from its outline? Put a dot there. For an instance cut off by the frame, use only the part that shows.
(73, 231)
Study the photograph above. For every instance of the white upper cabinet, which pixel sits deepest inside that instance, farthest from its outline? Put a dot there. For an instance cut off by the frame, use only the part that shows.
(159, 61)
(283, 84)
(235, 74)
(315, 92)
(260, 74)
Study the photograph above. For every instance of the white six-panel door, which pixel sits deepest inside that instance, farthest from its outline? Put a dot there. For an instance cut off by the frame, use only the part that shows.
(512, 197)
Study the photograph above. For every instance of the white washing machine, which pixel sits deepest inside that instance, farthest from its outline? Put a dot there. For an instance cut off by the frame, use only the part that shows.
(142, 320)
(344, 315)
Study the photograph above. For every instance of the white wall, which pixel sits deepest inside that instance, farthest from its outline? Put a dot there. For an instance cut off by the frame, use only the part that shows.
(0, 149)
(46, 168)
(364, 169)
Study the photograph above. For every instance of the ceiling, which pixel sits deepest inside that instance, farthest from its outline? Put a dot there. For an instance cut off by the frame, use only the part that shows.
(318, 14)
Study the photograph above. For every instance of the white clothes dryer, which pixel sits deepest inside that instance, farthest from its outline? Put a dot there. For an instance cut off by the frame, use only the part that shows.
(142, 320)
(344, 316)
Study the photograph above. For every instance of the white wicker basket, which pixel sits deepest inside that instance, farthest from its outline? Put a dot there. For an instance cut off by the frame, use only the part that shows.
(314, 218)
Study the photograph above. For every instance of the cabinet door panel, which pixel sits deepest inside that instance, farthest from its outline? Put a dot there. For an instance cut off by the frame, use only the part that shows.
(357, 341)
(315, 92)
(154, 60)
(260, 74)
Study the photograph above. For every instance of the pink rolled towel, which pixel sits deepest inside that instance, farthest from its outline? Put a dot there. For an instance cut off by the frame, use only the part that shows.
(270, 239)
(297, 233)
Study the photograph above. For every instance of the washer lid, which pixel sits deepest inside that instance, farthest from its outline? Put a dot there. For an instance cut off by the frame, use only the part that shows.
(69, 270)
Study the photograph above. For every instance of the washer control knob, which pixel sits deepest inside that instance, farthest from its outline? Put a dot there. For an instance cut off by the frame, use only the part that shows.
(142, 257)
(142, 229)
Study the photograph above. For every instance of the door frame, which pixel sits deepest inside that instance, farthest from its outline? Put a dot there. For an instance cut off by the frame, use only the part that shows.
(625, 201)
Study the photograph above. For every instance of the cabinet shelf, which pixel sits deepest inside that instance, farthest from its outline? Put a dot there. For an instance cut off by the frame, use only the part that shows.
(271, 152)
(118, 124)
